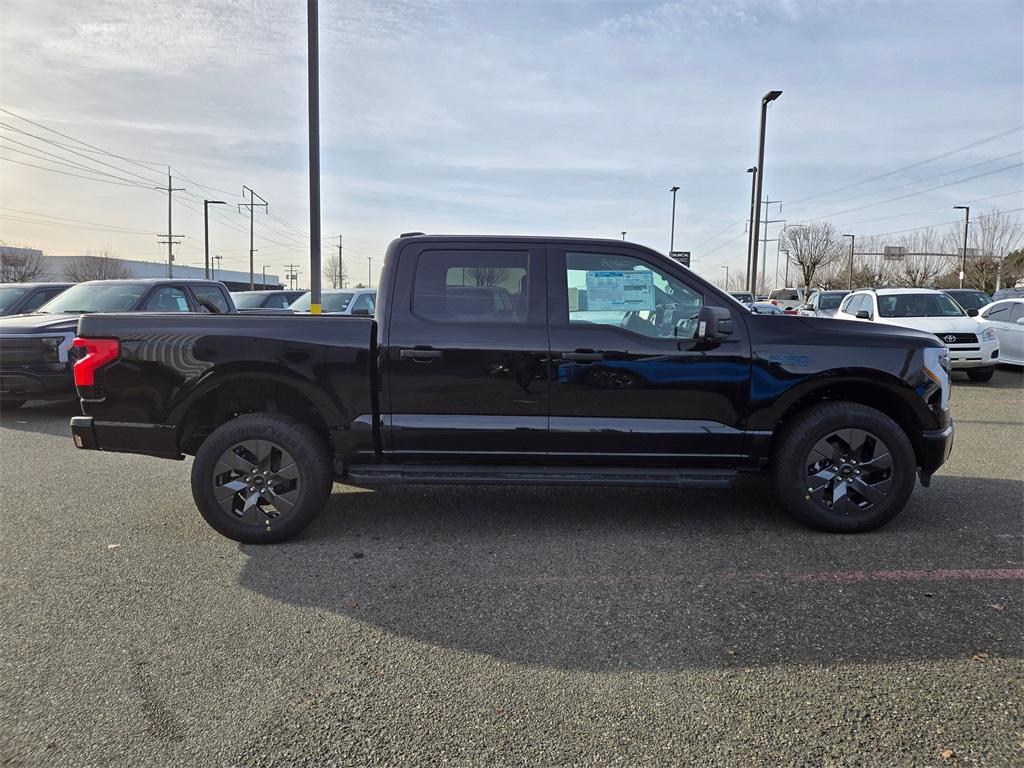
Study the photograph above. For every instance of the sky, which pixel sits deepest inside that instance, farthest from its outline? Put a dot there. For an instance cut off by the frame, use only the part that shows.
(559, 118)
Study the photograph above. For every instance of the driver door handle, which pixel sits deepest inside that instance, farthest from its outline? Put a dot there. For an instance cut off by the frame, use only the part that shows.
(583, 355)
(420, 355)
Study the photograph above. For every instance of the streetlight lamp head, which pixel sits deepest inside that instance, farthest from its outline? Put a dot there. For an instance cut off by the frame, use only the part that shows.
(674, 189)
(771, 96)
(752, 170)
(962, 207)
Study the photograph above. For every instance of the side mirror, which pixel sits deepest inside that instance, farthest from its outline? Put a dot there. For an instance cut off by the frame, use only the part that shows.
(1020, 321)
(972, 313)
(714, 323)
(863, 314)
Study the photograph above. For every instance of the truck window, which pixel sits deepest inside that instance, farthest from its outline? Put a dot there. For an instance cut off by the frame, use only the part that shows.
(624, 292)
(477, 286)
(167, 299)
(363, 301)
(211, 294)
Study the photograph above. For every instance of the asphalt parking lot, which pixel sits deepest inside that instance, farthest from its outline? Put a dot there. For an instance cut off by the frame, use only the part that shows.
(498, 626)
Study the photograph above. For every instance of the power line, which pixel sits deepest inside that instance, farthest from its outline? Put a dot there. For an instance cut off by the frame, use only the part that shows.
(76, 175)
(912, 165)
(50, 157)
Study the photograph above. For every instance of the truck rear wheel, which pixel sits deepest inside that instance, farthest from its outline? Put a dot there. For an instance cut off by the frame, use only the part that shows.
(261, 478)
(843, 467)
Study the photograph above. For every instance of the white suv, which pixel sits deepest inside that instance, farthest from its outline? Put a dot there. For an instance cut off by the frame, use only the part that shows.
(973, 345)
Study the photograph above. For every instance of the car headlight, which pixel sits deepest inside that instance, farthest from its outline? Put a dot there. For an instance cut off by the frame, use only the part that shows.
(936, 368)
(51, 348)
(988, 335)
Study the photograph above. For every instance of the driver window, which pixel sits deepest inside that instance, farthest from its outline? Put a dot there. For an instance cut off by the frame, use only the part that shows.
(624, 292)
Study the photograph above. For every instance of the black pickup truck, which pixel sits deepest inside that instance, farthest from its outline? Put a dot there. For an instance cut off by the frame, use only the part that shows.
(520, 360)
(35, 363)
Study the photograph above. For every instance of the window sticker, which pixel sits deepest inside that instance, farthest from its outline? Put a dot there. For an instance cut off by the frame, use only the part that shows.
(620, 290)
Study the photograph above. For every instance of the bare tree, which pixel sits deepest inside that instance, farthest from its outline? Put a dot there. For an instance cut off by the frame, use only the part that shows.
(488, 277)
(104, 266)
(927, 259)
(21, 265)
(815, 247)
(335, 272)
(992, 237)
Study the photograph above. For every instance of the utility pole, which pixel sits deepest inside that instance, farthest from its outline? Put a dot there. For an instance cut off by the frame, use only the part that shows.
(672, 235)
(292, 276)
(218, 270)
(369, 272)
(341, 265)
(171, 242)
(765, 101)
(853, 239)
(313, 85)
(264, 277)
(206, 232)
(726, 268)
(764, 260)
(252, 205)
(963, 259)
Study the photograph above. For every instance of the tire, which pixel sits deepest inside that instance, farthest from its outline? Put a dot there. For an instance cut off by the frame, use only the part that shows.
(843, 467)
(280, 458)
(981, 374)
(11, 405)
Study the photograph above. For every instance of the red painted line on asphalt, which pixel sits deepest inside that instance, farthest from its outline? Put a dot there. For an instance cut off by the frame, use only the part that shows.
(942, 574)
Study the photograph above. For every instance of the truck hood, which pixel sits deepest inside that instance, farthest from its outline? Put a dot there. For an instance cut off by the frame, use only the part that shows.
(912, 336)
(30, 324)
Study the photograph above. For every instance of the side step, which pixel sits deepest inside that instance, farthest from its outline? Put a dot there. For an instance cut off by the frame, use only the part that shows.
(437, 474)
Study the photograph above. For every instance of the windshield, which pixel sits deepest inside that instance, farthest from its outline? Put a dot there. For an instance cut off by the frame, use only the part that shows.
(971, 299)
(830, 300)
(95, 297)
(248, 300)
(745, 298)
(10, 295)
(329, 302)
(918, 305)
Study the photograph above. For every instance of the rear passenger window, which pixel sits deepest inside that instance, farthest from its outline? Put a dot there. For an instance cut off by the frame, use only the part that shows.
(167, 299)
(471, 286)
(208, 294)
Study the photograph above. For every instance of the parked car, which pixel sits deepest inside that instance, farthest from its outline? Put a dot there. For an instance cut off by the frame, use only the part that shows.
(973, 346)
(822, 304)
(1008, 293)
(19, 298)
(354, 301)
(609, 365)
(764, 308)
(34, 348)
(788, 298)
(969, 298)
(1006, 318)
(743, 297)
(272, 299)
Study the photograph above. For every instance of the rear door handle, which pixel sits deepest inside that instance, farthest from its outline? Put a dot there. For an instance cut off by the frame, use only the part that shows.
(583, 355)
(420, 355)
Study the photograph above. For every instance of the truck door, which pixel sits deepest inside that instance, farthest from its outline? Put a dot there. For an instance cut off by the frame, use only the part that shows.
(632, 383)
(467, 353)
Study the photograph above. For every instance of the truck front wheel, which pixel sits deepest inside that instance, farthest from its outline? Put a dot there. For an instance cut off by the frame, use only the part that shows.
(981, 374)
(261, 478)
(843, 467)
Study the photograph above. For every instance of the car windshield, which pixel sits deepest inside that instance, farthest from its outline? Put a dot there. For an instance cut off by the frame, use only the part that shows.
(918, 305)
(746, 298)
(95, 297)
(9, 295)
(329, 302)
(830, 300)
(971, 299)
(248, 300)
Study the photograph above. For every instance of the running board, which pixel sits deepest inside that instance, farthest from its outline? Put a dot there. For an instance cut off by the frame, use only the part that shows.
(436, 474)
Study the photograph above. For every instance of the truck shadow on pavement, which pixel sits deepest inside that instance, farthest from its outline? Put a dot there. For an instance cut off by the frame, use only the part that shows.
(45, 418)
(653, 579)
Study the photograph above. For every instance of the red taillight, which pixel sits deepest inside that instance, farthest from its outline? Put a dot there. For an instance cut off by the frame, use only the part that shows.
(775, 302)
(98, 352)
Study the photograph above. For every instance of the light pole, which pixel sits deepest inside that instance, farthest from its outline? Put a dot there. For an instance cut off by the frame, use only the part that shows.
(765, 101)
(726, 268)
(750, 221)
(853, 239)
(264, 277)
(369, 272)
(785, 280)
(206, 231)
(623, 234)
(218, 269)
(672, 234)
(963, 259)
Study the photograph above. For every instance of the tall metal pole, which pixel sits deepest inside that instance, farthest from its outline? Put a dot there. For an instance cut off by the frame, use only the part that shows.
(251, 205)
(369, 272)
(313, 46)
(963, 259)
(341, 266)
(765, 100)
(672, 235)
(264, 277)
(206, 232)
(853, 239)
(750, 221)
(726, 268)
(623, 234)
